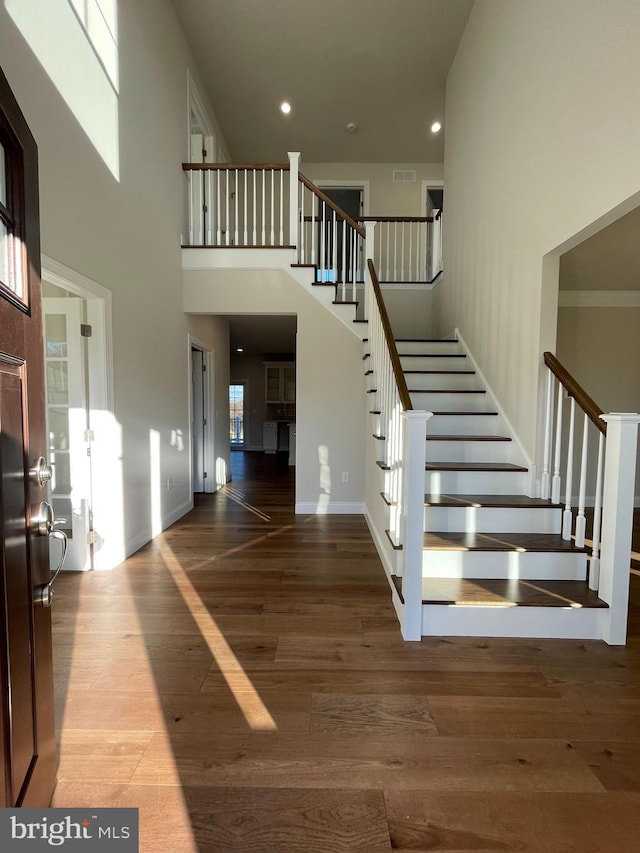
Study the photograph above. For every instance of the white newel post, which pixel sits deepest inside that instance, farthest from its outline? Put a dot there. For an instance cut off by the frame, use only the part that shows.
(617, 521)
(294, 168)
(414, 446)
(369, 249)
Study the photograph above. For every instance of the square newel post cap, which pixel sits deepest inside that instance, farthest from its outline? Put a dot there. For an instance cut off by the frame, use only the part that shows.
(621, 417)
(419, 415)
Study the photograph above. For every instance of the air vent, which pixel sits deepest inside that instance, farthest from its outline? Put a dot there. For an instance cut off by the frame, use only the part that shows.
(402, 176)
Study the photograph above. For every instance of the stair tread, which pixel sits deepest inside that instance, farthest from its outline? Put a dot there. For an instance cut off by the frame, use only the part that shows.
(466, 413)
(506, 593)
(426, 340)
(520, 542)
(447, 390)
(432, 354)
(439, 372)
(468, 438)
(474, 466)
(497, 501)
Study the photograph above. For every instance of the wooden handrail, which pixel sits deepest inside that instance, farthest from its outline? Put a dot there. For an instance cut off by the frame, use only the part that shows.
(573, 389)
(398, 372)
(394, 218)
(318, 192)
(249, 167)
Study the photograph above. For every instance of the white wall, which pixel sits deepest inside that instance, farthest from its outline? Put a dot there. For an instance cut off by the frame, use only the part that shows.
(115, 214)
(330, 385)
(542, 139)
(385, 198)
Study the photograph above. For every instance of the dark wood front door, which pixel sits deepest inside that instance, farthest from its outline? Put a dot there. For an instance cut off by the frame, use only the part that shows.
(27, 742)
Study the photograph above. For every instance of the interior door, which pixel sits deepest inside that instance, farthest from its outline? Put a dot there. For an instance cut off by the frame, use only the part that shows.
(197, 418)
(26, 680)
(68, 424)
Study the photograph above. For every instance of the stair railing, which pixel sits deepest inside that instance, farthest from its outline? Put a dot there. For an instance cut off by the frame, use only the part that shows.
(404, 431)
(237, 205)
(408, 248)
(610, 475)
(330, 240)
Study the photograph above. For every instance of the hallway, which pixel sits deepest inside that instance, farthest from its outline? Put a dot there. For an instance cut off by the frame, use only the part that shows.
(242, 680)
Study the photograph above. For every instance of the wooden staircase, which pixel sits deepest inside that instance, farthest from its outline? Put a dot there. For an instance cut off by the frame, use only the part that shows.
(494, 562)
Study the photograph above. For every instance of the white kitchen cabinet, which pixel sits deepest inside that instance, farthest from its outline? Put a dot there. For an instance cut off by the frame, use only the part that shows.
(280, 382)
(270, 436)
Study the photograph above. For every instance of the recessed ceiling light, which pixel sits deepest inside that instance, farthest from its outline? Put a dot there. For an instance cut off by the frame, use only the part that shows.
(435, 127)
(285, 107)
(352, 127)
(239, 349)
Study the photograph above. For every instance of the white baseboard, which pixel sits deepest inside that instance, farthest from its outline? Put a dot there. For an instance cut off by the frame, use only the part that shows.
(378, 541)
(330, 508)
(134, 543)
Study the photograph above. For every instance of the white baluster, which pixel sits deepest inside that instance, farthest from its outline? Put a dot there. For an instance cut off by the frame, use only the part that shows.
(264, 208)
(567, 516)
(581, 522)
(273, 236)
(302, 232)
(218, 225)
(293, 212)
(191, 204)
(410, 253)
(402, 230)
(556, 481)
(245, 223)
(236, 230)
(395, 251)
(594, 569)
(255, 222)
(314, 232)
(209, 205)
(323, 237)
(546, 459)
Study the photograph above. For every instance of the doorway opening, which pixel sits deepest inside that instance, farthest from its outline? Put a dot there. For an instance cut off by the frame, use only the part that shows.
(351, 201)
(236, 415)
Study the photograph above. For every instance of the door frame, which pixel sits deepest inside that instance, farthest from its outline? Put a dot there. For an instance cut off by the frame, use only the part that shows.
(209, 411)
(426, 185)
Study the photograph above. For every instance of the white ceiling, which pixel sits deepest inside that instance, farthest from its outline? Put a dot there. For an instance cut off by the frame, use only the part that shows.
(379, 63)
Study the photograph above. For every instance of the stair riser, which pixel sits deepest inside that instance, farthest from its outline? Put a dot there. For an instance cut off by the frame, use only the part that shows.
(467, 483)
(469, 451)
(409, 362)
(421, 347)
(493, 519)
(524, 565)
(574, 623)
(475, 402)
(463, 425)
(476, 482)
(451, 381)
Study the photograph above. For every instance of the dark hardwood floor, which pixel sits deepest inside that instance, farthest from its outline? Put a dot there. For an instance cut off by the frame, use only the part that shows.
(242, 680)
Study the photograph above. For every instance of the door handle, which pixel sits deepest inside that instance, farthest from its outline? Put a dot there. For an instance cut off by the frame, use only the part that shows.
(44, 524)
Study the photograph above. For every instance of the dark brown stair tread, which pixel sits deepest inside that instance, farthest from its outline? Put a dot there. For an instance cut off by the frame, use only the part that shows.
(520, 542)
(443, 412)
(432, 354)
(439, 372)
(468, 438)
(447, 390)
(426, 340)
(482, 502)
(499, 501)
(473, 466)
(506, 593)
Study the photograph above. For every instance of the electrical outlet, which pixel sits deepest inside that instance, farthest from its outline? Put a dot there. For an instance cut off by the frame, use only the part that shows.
(345, 476)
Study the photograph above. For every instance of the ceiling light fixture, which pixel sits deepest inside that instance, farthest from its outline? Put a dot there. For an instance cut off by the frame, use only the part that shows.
(285, 107)
(352, 127)
(239, 349)
(435, 127)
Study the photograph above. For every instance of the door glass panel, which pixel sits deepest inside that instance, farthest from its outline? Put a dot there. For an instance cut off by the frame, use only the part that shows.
(58, 429)
(56, 335)
(57, 382)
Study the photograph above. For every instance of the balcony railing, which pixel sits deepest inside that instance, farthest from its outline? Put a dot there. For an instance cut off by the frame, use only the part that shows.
(272, 205)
